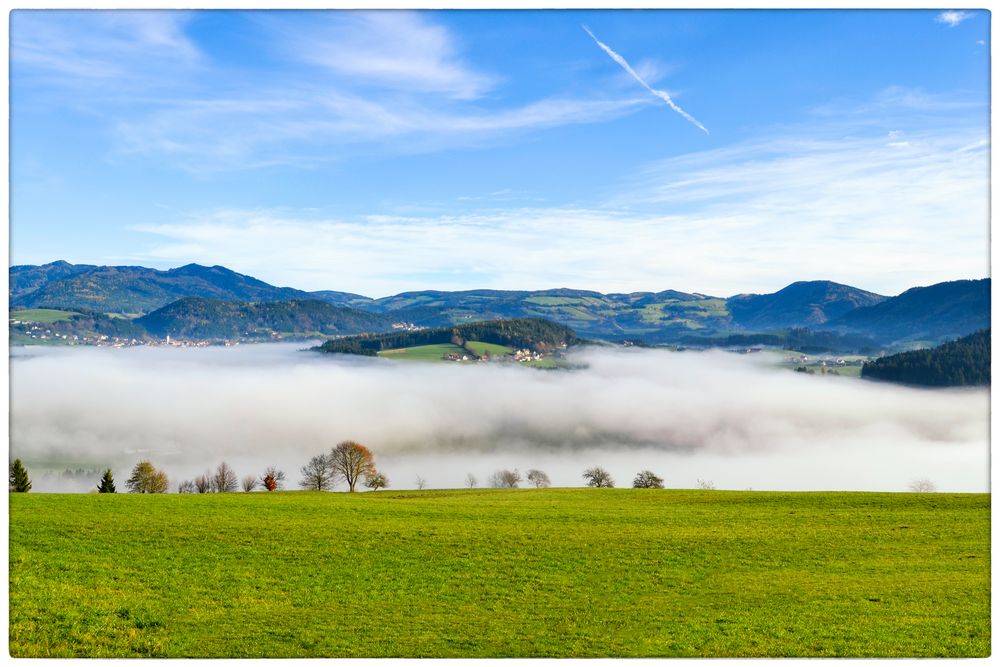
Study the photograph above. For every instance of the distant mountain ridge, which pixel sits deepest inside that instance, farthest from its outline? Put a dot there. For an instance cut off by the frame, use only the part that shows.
(137, 289)
(925, 314)
(199, 318)
(931, 313)
(804, 303)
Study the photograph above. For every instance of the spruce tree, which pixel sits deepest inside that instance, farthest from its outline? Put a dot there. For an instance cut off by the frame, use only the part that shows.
(107, 484)
(19, 481)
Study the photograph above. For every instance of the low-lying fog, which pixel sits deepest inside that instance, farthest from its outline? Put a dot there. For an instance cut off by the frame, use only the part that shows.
(734, 420)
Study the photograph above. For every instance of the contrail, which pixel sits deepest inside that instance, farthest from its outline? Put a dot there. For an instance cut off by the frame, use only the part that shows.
(659, 93)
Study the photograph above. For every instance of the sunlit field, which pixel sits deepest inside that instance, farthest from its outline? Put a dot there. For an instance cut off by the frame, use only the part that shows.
(490, 573)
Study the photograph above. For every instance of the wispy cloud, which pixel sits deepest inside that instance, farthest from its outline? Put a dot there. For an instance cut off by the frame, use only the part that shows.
(332, 84)
(84, 47)
(299, 127)
(953, 17)
(398, 50)
(663, 95)
(873, 210)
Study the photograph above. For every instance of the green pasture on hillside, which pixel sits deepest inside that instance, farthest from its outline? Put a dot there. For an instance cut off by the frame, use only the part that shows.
(41, 315)
(491, 349)
(423, 352)
(521, 572)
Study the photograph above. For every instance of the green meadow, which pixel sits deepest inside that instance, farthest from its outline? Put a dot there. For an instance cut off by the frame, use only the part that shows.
(41, 315)
(422, 352)
(490, 573)
(491, 349)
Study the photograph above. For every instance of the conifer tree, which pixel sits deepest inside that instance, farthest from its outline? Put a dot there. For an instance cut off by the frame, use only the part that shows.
(107, 484)
(19, 481)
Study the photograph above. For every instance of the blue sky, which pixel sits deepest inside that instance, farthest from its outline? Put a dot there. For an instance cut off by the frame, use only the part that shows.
(388, 151)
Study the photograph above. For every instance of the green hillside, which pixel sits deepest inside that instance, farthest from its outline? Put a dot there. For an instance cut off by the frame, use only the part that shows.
(934, 313)
(47, 326)
(44, 315)
(500, 573)
(538, 335)
(423, 352)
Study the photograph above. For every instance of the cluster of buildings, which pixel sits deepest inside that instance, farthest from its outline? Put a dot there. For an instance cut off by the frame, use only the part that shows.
(406, 326)
(527, 355)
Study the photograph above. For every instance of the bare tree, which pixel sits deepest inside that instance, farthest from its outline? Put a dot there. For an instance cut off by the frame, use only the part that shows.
(505, 479)
(471, 481)
(706, 484)
(317, 475)
(249, 483)
(598, 477)
(187, 486)
(224, 480)
(147, 479)
(376, 481)
(273, 479)
(421, 483)
(351, 461)
(203, 483)
(647, 479)
(539, 479)
(923, 485)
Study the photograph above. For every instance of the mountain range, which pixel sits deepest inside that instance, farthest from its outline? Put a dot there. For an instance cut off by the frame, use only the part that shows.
(202, 301)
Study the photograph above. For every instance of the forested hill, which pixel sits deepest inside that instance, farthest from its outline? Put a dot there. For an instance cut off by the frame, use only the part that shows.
(960, 363)
(197, 318)
(534, 334)
(935, 313)
(137, 289)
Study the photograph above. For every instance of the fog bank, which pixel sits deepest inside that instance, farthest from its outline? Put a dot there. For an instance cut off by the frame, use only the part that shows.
(712, 415)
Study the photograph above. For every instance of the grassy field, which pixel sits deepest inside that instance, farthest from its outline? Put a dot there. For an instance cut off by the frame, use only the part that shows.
(422, 352)
(523, 572)
(41, 315)
(491, 349)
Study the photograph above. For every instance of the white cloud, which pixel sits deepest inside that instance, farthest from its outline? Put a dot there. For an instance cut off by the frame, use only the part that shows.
(299, 127)
(952, 17)
(752, 217)
(83, 48)
(335, 82)
(392, 49)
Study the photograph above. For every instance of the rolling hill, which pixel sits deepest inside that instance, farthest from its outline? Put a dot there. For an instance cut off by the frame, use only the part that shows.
(934, 313)
(928, 314)
(801, 304)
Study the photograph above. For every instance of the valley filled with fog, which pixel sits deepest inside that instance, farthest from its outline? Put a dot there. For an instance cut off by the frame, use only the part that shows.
(737, 421)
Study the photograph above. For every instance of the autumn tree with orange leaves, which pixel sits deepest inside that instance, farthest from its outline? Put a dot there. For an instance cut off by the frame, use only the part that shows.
(351, 461)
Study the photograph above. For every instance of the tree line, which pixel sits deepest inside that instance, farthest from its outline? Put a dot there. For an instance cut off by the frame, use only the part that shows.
(960, 363)
(349, 462)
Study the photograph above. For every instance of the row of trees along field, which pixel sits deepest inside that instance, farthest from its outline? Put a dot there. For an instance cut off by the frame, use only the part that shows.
(350, 462)
(595, 477)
